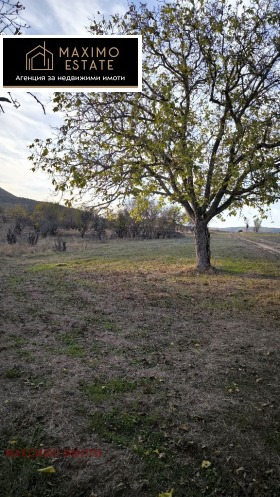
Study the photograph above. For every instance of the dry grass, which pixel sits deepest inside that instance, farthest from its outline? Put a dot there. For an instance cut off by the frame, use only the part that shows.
(121, 346)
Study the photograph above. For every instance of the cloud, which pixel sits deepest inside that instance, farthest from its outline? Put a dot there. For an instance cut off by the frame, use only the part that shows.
(273, 218)
(19, 127)
(66, 17)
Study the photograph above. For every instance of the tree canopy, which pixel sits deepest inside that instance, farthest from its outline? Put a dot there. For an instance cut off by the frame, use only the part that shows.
(204, 131)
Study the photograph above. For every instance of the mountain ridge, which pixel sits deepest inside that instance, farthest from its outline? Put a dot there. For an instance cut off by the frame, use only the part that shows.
(7, 199)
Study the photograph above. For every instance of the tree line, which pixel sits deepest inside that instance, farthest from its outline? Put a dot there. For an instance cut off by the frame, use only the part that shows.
(137, 219)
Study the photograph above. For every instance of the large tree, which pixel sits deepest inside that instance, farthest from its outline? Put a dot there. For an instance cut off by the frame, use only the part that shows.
(204, 131)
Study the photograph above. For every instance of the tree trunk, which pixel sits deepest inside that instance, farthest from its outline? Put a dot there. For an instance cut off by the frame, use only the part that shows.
(202, 246)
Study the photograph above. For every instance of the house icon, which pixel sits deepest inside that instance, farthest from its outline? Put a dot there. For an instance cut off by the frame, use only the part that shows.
(39, 59)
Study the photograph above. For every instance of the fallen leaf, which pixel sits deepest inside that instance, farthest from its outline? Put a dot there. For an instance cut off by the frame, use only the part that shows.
(167, 494)
(48, 469)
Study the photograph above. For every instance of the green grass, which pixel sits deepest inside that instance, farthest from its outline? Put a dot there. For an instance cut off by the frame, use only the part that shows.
(13, 373)
(19, 341)
(69, 338)
(116, 387)
(97, 391)
(75, 350)
(109, 325)
(137, 431)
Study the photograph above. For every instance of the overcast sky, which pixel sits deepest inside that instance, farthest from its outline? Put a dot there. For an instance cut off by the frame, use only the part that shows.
(19, 127)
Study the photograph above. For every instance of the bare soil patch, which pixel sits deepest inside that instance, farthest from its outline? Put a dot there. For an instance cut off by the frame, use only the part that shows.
(123, 349)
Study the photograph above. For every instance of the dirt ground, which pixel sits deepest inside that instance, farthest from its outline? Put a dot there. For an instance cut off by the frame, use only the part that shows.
(171, 378)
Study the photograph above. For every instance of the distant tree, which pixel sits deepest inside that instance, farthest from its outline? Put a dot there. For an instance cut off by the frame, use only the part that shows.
(47, 217)
(33, 238)
(121, 222)
(60, 245)
(20, 216)
(11, 237)
(70, 218)
(99, 225)
(257, 224)
(170, 221)
(144, 217)
(145, 210)
(246, 220)
(85, 218)
(153, 219)
(3, 214)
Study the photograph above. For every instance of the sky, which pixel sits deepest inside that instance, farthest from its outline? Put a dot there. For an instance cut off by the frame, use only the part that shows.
(19, 127)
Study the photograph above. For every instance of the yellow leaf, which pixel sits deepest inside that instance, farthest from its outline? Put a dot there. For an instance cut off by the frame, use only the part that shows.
(167, 494)
(12, 442)
(205, 464)
(48, 469)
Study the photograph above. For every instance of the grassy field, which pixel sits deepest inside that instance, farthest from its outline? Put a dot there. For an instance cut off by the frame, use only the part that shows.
(170, 376)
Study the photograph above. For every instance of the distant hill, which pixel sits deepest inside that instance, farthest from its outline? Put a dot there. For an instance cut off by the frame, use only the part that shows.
(9, 200)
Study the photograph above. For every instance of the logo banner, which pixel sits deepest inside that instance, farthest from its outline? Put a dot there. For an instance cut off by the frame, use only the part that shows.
(70, 63)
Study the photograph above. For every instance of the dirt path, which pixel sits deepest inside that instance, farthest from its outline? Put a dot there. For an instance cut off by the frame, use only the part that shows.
(264, 246)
